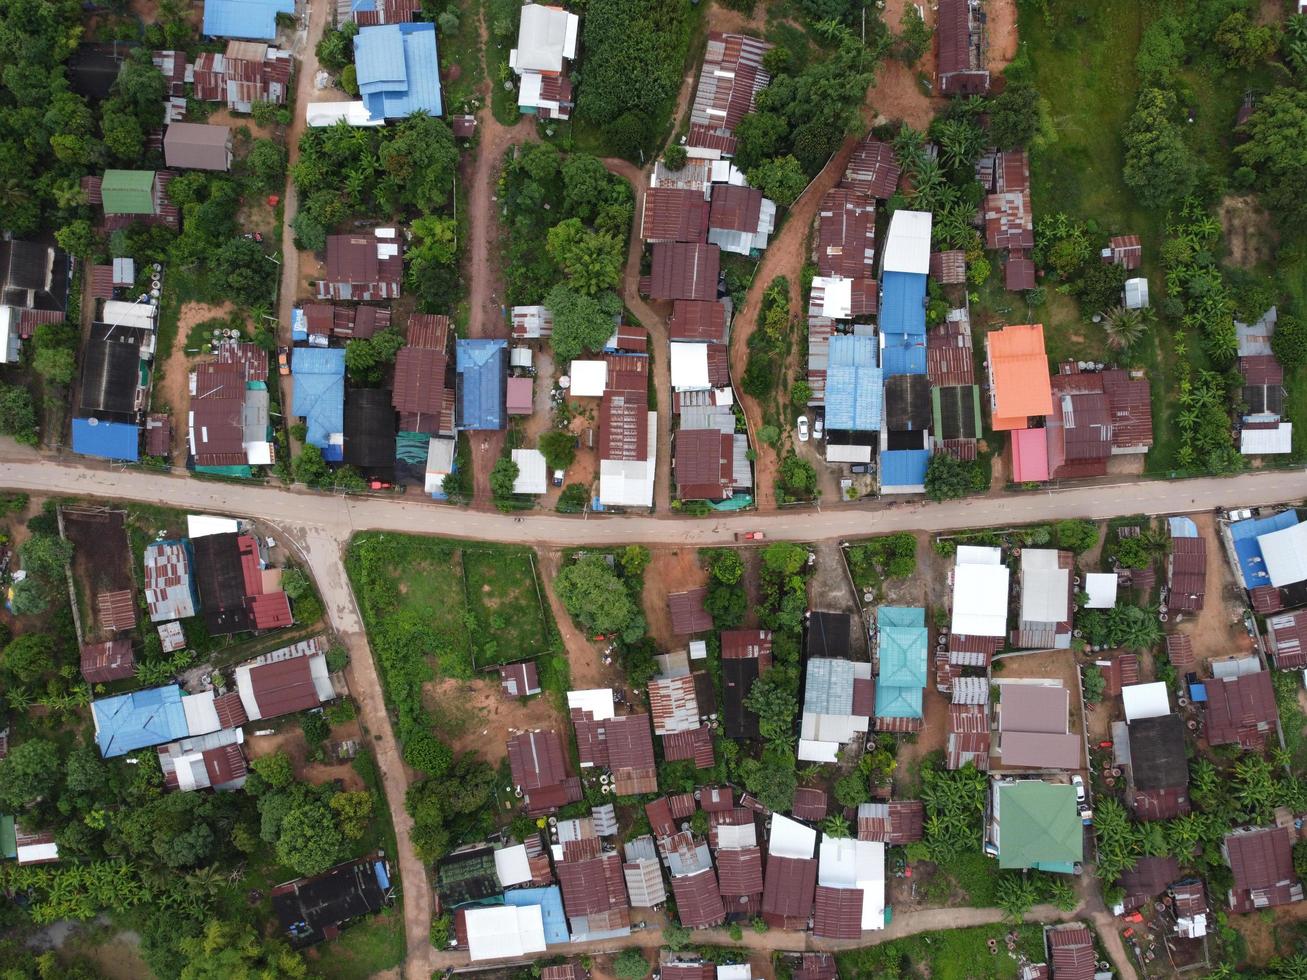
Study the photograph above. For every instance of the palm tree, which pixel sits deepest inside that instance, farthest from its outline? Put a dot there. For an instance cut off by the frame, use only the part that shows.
(1123, 327)
(908, 148)
(836, 825)
(960, 141)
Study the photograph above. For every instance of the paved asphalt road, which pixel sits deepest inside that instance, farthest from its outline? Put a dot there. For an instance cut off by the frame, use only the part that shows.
(413, 513)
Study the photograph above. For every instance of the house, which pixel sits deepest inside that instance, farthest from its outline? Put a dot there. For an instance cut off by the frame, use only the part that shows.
(197, 146)
(423, 393)
(33, 289)
(741, 219)
(840, 298)
(628, 439)
(905, 434)
(968, 736)
(106, 440)
(810, 804)
(370, 433)
(905, 264)
(1124, 250)
(227, 422)
(1148, 879)
(815, 966)
(245, 73)
(169, 589)
(1286, 639)
(214, 761)
(699, 367)
(850, 894)
(704, 464)
(1095, 416)
(1240, 705)
(398, 70)
(501, 931)
(128, 197)
(539, 767)
(980, 600)
(469, 874)
(838, 704)
(901, 653)
(127, 722)
(311, 910)
(531, 322)
(790, 881)
(729, 81)
(896, 822)
(1046, 600)
(112, 660)
(1034, 824)
(1270, 552)
(594, 897)
(1158, 784)
(854, 393)
(315, 323)
(364, 266)
(961, 66)
(684, 270)
(234, 596)
(698, 901)
(481, 370)
(1189, 900)
(567, 971)
(1186, 568)
(873, 169)
(845, 244)
(1071, 951)
(828, 634)
(26, 847)
(745, 655)
(1009, 220)
(367, 13)
(697, 321)
(1134, 294)
(674, 214)
(688, 613)
(1020, 388)
(244, 18)
(1261, 860)
(620, 744)
(1034, 732)
(294, 678)
(520, 680)
(546, 41)
(949, 268)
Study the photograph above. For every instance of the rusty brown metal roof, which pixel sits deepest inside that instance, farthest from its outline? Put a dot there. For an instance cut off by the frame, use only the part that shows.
(698, 902)
(684, 271)
(675, 215)
(729, 80)
(788, 892)
(688, 614)
(838, 913)
(1187, 574)
(873, 169)
(695, 745)
(111, 661)
(735, 208)
(949, 267)
(624, 417)
(1071, 948)
(704, 466)
(846, 234)
(739, 871)
(697, 320)
(1240, 710)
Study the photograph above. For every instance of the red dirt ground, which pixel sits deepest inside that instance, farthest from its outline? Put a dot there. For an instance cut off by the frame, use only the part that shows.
(670, 570)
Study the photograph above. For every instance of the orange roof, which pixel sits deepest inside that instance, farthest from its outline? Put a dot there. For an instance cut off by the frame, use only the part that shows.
(1018, 370)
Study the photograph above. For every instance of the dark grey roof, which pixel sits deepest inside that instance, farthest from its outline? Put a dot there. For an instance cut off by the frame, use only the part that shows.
(907, 403)
(110, 372)
(1157, 753)
(370, 431)
(33, 275)
(828, 634)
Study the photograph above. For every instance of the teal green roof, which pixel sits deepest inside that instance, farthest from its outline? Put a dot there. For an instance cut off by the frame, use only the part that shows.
(8, 837)
(128, 191)
(1038, 826)
(901, 645)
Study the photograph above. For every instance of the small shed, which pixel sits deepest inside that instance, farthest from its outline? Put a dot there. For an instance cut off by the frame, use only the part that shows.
(532, 474)
(1136, 293)
(197, 146)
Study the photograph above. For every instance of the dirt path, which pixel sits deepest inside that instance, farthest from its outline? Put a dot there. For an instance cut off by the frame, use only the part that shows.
(1217, 629)
(1001, 31)
(655, 323)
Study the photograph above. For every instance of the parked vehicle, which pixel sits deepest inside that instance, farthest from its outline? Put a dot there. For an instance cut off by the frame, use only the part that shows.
(283, 361)
(749, 536)
(1078, 782)
(558, 478)
(803, 428)
(818, 429)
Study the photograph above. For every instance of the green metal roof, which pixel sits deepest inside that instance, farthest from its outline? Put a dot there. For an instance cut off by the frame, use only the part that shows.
(901, 647)
(1038, 826)
(8, 837)
(128, 191)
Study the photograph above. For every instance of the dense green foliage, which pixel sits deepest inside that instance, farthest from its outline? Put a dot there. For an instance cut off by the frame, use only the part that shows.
(948, 478)
(597, 598)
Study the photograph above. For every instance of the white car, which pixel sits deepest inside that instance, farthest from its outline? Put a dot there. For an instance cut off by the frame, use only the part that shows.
(803, 428)
(1079, 784)
(818, 428)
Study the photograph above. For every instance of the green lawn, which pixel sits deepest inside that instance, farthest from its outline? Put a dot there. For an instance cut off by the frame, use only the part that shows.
(502, 594)
(462, 50)
(364, 948)
(956, 954)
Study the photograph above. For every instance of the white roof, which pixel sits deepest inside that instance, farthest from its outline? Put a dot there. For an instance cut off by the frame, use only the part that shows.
(1043, 587)
(836, 297)
(36, 853)
(531, 475)
(725, 172)
(1101, 589)
(1285, 555)
(201, 715)
(522, 357)
(1136, 293)
(835, 453)
(1266, 442)
(907, 244)
(980, 595)
(330, 113)
(545, 36)
(598, 701)
(202, 525)
(735, 971)
(734, 836)
(512, 865)
(9, 344)
(440, 463)
(811, 750)
(504, 930)
(589, 378)
(971, 554)
(791, 839)
(1145, 700)
(689, 366)
(123, 313)
(848, 863)
(629, 482)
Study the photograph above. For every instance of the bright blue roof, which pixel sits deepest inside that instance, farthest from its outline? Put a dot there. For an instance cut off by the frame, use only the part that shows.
(550, 901)
(109, 440)
(255, 19)
(903, 353)
(138, 720)
(904, 467)
(901, 646)
(854, 387)
(398, 70)
(482, 387)
(319, 391)
(903, 303)
(1246, 546)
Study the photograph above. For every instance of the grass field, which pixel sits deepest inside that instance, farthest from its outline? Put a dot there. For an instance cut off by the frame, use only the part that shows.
(365, 948)
(502, 595)
(957, 954)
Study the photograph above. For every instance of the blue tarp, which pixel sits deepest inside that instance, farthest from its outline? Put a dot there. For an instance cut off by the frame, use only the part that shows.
(854, 386)
(904, 467)
(398, 70)
(482, 367)
(138, 720)
(903, 303)
(318, 395)
(256, 19)
(1182, 527)
(108, 440)
(550, 901)
(1249, 551)
(903, 354)
(299, 325)
(383, 879)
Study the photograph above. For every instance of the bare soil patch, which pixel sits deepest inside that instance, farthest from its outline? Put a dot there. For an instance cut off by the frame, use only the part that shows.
(585, 659)
(1001, 31)
(290, 739)
(101, 560)
(1217, 630)
(670, 570)
(1248, 230)
(477, 716)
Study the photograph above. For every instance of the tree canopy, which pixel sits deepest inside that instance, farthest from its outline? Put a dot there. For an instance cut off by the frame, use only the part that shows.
(593, 594)
(582, 323)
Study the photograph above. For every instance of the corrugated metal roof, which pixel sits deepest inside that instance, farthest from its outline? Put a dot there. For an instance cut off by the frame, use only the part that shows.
(674, 215)
(482, 366)
(244, 18)
(960, 63)
(318, 392)
(684, 271)
(687, 612)
(398, 70)
(853, 385)
(872, 169)
(729, 80)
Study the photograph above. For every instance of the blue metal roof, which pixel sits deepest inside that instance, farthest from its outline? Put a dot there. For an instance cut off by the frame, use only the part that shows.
(482, 383)
(319, 392)
(109, 440)
(1249, 551)
(138, 720)
(255, 19)
(398, 70)
(903, 353)
(854, 386)
(550, 901)
(903, 303)
(901, 650)
(904, 467)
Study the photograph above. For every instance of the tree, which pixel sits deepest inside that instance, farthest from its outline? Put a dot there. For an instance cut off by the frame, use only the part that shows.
(573, 499)
(29, 657)
(1276, 149)
(1015, 895)
(772, 778)
(433, 261)
(29, 772)
(559, 448)
(726, 566)
(592, 261)
(31, 597)
(275, 769)
(502, 478)
(1076, 535)
(726, 604)
(630, 964)
(1124, 327)
(1014, 117)
(336, 48)
(241, 271)
(58, 365)
(1243, 43)
(851, 789)
(759, 137)
(781, 178)
(310, 841)
(581, 323)
(586, 186)
(17, 416)
(232, 951)
(353, 810)
(598, 600)
(914, 35)
(1099, 287)
(1159, 166)
(418, 164)
(1289, 342)
(948, 478)
(423, 751)
(772, 700)
(675, 157)
(367, 358)
(46, 555)
(798, 476)
(266, 162)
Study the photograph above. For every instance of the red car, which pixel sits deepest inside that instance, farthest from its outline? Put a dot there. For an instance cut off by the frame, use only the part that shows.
(283, 361)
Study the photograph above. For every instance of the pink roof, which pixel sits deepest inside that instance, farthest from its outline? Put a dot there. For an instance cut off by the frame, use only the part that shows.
(1029, 455)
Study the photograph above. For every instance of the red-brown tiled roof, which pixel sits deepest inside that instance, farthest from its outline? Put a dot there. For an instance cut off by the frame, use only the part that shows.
(961, 70)
(269, 611)
(895, 822)
(716, 799)
(589, 887)
(1266, 599)
(624, 417)
(116, 610)
(968, 735)
(729, 80)
(224, 765)
(1071, 948)
(631, 755)
(539, 768)
(1126, 250)
(1123, 670)
(421, 389)
(747, 645)
(1261, 369)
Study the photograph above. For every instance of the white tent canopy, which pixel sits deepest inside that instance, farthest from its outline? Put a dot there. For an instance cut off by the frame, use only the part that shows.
(689, 366)
(505, 930)
(589, 378)
(1285, 555)
(512, 865)
(790, 839)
